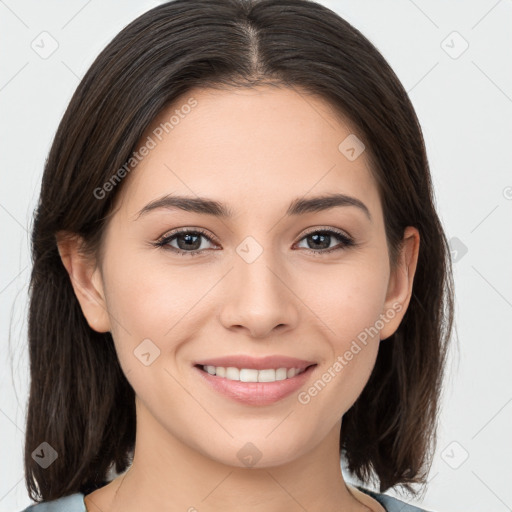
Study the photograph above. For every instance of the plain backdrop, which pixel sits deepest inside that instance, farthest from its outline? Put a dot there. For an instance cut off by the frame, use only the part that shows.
(454, 59)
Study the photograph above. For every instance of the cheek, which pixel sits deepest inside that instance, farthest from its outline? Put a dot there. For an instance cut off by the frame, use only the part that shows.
(349, 305)
(154, 313)
(148, 301)
(150, 294)
(349, 299)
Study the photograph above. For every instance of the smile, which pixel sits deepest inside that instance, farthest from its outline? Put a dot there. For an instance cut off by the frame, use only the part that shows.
(253, 375)
(250, 386)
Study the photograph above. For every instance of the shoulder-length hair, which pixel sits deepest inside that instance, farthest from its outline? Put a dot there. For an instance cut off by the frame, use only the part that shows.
(80, 401)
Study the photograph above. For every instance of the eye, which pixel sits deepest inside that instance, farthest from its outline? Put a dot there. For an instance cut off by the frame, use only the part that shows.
(189, 242)
(319, 241)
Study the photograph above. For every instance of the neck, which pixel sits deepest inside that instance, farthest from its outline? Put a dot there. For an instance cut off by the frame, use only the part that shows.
(167, 474)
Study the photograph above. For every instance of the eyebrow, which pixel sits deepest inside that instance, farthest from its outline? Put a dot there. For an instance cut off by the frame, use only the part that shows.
(205, 206)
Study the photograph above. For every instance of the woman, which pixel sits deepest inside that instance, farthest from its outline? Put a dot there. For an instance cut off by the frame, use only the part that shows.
(239, 273)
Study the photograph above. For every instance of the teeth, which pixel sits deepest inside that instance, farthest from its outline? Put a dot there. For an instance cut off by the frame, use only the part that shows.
(266, 375)
(251, 375)
(232, 373)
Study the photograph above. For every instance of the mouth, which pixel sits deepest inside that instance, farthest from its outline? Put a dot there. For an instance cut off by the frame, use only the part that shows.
(264, 384)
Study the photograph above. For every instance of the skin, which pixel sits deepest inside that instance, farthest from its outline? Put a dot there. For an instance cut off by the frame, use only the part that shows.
(254, 150)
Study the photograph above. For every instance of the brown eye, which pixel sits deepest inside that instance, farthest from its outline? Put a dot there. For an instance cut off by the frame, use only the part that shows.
(189, 242)
(320, 241)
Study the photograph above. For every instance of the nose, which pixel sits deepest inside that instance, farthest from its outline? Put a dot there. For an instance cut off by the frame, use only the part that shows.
(259, 297)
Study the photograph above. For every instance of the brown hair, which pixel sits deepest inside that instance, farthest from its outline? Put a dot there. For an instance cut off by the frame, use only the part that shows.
(80, 401)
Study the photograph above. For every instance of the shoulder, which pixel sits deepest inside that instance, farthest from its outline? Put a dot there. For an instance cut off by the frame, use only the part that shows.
(71, 503)
(391, 504)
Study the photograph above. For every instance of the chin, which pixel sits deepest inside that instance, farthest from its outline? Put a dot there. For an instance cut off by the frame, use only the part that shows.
(258, 452)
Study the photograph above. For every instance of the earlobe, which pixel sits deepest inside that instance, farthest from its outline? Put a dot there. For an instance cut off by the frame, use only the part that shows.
(86, 279)
(401, 282)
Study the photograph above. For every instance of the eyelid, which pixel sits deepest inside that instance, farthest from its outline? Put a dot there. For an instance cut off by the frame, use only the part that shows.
(178, 231)
(323, 229)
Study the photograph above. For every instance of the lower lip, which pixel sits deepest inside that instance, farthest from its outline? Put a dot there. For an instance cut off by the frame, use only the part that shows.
(256, 393)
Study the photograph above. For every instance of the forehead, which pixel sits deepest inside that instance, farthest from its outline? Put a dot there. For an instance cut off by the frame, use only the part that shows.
(245, 146)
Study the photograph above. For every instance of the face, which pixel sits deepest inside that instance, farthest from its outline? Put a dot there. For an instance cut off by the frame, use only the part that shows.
(266, 280)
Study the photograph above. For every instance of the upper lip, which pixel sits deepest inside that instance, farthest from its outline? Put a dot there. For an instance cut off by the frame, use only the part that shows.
(256, 363)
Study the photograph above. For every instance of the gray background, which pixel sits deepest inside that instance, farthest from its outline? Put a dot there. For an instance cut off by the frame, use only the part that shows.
(463, 98)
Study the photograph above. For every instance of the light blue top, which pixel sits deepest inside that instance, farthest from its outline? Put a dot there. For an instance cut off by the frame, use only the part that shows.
(75, 503)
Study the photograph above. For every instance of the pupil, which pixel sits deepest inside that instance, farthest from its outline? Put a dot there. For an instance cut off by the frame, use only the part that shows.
(189, 242)
(316, 237)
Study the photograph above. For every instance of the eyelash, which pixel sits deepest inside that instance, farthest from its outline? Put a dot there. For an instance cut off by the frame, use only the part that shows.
(162, 243)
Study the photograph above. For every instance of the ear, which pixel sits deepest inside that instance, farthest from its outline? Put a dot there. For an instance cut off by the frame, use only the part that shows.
(86, 280)
(400, 282)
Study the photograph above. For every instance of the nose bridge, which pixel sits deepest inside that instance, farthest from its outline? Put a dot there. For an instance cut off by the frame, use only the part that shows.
(253, 272)
(258, 298)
